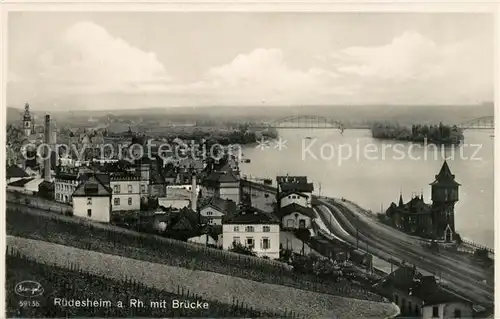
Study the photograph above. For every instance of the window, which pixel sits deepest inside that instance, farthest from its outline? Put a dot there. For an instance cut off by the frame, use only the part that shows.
(143, 188)
(89, 200)
(57, 196)
(236, 240)
(435, 312)
(396, 299)
(266, 229)
(130, 200)
(116, 189)
(211, 221)
(130, 189)
(457, 313)
(89, 212)
(236, 229)
(266, 243)
(116, 201)
(249, 229)
(250, 242)
(209, 213)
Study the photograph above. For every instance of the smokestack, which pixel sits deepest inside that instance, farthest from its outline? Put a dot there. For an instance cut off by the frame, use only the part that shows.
(46, 164)
(194, 193)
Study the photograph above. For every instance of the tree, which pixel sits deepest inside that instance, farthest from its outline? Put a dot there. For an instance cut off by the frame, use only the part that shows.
(303, 234)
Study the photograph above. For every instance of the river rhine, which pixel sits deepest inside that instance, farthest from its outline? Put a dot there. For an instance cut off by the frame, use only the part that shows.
(373, 172)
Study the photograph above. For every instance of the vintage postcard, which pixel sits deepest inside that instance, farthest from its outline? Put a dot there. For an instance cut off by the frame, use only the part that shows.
(238, 161)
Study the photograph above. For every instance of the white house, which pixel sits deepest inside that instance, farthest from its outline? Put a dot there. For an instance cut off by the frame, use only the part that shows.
(292, 197)
(126, 192)
(445, 310)
(92, 200)
(252, 228)
(293, 184)
(295, 216)
(64, 186)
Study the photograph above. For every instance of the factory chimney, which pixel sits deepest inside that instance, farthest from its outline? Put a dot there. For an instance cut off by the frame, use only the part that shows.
(194, 193)
(48, 148)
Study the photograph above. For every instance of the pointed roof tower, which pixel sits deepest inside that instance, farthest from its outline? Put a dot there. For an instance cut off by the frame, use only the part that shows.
(27, 114)
(445, 176)
(400, 200)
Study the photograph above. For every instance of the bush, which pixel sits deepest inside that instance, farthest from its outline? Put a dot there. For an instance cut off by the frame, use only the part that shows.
(244, 250)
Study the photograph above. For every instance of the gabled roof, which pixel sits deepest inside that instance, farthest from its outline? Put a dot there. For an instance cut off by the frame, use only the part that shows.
(217, 177)
(14, 171)
(93, 186)
(296, 208)
(225, 206)
(408, 280)
(290, 192)
(297, 187)
(21, 182)
(249, 215)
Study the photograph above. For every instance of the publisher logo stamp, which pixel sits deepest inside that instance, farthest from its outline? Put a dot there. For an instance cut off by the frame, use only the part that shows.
(29, 289)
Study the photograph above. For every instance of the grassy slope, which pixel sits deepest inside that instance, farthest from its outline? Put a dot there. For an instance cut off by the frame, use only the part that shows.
(59, 282)
(145, 248)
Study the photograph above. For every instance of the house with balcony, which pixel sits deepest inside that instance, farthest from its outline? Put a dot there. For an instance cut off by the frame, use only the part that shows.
(252, 228)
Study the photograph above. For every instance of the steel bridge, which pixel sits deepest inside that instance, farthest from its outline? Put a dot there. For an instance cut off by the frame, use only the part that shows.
(321, 122)
(302, 122)
(480, 123)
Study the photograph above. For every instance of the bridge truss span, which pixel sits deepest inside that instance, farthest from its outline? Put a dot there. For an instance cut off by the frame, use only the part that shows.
(480, 123)
(305, 122)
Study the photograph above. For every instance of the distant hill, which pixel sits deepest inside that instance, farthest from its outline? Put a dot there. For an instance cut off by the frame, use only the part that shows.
(403, 114)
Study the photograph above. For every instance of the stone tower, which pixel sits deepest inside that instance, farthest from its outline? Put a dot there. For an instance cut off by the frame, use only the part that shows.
(27, 124)
(444, 197)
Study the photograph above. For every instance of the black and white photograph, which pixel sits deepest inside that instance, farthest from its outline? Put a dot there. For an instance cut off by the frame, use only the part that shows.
(236, 162)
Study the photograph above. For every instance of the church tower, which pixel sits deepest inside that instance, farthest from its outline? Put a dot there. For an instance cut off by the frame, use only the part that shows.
(444, 197)
(27, 125)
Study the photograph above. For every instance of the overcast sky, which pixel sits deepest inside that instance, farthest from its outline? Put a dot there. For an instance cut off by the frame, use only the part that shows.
(131, 60)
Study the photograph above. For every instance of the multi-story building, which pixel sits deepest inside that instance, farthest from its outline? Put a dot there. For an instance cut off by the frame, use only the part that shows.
(294, 202)
(224, 184)
(92, 199)
(289, 184)
(65, 184)
(126, 192)
(252, 228)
